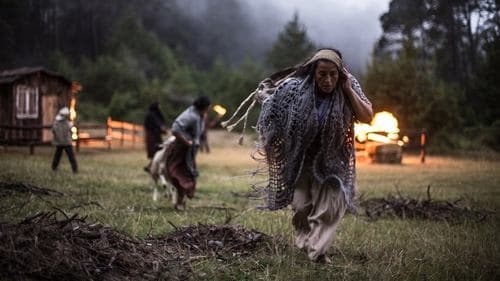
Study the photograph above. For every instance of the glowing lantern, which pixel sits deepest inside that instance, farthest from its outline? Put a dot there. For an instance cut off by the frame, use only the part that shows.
(74, 133)
(220, 110)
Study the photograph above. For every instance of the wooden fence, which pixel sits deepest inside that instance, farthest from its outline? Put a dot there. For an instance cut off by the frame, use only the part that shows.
(113, 130)
(124, 133)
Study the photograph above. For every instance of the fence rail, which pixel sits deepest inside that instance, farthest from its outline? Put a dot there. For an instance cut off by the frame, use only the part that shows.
(112, 130)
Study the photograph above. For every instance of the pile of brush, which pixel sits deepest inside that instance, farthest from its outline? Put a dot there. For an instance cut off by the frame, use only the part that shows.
(430, 209)
(48, 248)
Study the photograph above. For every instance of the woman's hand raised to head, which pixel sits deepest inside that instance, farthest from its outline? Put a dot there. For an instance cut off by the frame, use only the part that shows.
(362, 109)
(346, 80)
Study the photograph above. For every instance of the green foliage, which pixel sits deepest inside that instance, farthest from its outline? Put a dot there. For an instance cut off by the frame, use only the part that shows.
(436, 66)
(107, 75)
(61, 64)
(406, 87)
(91, 111)
(154, 59)
(138, 69)
(216, 80)
(448, 32)
(481, 137)
(182, 82)
(443, 110)
(122, 106)
(483, 96)
(404, 16)
(396, 85)
(157, 90)
(433, 56)
(491, 137)
(244, 82)
(230, 86)
(291, 47)
(126, 54)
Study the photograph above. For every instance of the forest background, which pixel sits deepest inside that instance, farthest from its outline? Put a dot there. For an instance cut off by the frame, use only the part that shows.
(435, 65)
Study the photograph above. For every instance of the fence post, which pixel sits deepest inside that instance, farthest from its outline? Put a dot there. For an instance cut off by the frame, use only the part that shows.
(133, 135)
(109, 132)
(122, 133)
(422, 145)
(77, 139)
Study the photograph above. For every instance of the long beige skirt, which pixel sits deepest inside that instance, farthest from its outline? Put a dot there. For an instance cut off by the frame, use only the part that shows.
(318, 210)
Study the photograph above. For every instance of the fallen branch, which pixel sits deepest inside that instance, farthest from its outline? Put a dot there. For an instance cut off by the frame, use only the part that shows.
(6, 189)
(95, 203)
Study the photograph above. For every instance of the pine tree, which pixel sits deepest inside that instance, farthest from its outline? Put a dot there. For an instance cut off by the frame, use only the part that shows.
(292, 46)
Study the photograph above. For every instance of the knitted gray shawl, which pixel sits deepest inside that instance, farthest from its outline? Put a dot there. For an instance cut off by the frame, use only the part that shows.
(292, 137)
(288, 126)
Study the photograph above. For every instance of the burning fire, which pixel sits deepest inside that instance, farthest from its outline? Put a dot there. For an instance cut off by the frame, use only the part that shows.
(75, 88)
(383, 128)
(72, 109)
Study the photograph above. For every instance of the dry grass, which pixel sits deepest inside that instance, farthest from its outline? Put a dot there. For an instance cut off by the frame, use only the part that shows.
(389, 249)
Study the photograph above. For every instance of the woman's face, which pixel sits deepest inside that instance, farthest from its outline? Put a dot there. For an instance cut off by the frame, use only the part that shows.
(326, 76)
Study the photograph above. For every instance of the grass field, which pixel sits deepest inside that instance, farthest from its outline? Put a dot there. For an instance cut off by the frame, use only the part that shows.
(387, 249)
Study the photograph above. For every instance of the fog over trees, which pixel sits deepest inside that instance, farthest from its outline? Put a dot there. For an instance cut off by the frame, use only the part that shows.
(431, 62)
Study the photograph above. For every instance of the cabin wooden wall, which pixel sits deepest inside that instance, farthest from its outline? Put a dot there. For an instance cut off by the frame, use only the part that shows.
(53, 94)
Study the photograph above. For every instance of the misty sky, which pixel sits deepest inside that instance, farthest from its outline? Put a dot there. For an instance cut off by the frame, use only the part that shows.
(352, 26)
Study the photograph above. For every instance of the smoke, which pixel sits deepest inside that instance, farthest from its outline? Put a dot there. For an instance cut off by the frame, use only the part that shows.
(350, 26)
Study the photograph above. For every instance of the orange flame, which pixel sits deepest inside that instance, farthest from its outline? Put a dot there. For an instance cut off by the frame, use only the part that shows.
(72, 109)
(75, 88)
(383, 128)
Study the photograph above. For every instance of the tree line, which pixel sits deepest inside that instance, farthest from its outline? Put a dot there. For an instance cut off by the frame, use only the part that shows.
(127, 54)
(434, 65)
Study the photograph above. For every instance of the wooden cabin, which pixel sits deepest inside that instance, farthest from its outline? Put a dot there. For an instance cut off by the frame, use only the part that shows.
(30, 98)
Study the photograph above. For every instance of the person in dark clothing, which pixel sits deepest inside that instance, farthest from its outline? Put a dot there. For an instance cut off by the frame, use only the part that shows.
(62, 139)
(154, 127)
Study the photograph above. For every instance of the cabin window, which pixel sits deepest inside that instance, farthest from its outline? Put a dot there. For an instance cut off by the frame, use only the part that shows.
(26, 102)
